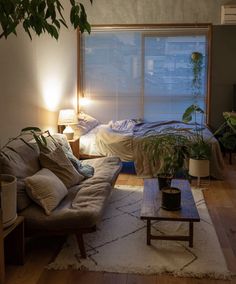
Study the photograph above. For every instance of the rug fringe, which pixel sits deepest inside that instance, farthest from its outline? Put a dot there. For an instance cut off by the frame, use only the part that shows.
(211, 275)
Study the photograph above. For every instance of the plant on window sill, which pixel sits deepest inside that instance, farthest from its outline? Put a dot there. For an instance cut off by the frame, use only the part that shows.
(40, 16)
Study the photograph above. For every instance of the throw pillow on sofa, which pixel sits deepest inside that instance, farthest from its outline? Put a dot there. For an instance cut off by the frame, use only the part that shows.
(58, 140)
(86, 170)
(46, 189)
(60, 165)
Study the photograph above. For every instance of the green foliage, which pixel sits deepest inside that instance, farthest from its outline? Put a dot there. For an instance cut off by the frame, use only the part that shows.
(227, 131)
(199, 148)
(40, 16)
(167, 152)
(190, 111)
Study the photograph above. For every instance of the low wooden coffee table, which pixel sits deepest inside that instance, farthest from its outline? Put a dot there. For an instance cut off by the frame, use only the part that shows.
(151, 209)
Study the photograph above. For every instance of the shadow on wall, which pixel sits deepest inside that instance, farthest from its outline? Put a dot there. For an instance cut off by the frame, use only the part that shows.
(223, 72)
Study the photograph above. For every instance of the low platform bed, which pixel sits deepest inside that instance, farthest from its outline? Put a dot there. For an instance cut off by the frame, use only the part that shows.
(125, 139)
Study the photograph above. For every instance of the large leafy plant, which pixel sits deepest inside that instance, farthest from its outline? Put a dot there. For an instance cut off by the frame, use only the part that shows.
(167, 153)
(40, 16)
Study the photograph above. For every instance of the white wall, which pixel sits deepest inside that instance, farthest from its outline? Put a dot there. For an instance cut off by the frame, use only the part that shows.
(31, 71)
(37, 78)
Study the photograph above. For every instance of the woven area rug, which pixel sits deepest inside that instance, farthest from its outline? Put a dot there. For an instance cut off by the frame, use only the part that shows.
(119, 245)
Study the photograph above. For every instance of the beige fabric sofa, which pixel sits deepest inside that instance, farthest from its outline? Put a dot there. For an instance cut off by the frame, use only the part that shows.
(81, 209)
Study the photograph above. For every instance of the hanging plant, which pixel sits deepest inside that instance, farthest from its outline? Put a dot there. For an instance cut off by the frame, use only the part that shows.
(40, 16)
(196, 61)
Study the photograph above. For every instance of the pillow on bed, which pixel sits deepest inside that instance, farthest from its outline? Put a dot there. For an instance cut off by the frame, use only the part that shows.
(85, 123)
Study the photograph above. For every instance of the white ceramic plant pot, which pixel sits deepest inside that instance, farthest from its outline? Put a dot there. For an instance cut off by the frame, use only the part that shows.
(8, 199)
(199, 168)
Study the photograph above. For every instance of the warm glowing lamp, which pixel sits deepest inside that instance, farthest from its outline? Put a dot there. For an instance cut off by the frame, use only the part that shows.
(67, 117)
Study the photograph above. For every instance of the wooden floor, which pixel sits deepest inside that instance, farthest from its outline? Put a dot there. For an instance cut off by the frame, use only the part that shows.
(221, 201)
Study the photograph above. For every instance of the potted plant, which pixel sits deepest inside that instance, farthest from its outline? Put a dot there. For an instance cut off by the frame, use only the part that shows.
(200, 148)
(167, 154)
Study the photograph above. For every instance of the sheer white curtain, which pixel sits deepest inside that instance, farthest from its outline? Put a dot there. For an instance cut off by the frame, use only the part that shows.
(145, 73)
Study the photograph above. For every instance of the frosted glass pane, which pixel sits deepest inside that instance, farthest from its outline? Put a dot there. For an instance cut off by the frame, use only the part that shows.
(168, 75)
(112, 72)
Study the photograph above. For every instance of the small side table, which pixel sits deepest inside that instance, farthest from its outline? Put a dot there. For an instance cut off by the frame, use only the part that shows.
(13, 245)
(74, 144)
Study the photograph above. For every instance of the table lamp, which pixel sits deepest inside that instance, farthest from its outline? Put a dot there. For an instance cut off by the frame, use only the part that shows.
(67, 117)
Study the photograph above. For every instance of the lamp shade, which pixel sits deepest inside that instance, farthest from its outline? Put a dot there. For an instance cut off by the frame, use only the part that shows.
(67, 116)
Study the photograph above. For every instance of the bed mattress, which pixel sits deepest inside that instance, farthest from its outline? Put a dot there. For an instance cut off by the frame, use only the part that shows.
(126, 143)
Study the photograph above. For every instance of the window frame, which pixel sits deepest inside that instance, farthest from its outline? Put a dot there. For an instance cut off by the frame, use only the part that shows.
(148, 27)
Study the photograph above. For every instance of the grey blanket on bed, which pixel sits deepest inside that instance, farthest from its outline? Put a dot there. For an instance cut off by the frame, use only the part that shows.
(128, 145)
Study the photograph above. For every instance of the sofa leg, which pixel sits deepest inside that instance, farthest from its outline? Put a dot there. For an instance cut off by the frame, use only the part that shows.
(81, 244)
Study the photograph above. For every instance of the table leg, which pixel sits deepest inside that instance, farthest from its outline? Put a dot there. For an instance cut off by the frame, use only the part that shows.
(148, 232)
(191, 234)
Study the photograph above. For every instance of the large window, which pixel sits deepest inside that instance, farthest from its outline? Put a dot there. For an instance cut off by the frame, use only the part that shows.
(142, 72)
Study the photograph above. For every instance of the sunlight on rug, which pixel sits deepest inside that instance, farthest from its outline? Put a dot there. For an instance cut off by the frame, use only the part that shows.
(119, 245)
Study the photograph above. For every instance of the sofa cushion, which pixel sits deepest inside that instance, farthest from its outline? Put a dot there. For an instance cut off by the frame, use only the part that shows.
(20, 160)
(59, 164)
(46, 189)
(87, 209)
(105, 170)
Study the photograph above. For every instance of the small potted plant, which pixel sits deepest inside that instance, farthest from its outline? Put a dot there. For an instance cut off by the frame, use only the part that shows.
(167, 154)
(199, 148)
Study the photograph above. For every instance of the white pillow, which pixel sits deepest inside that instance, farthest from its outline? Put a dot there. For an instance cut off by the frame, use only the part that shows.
(85, 124)
(46, 189)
